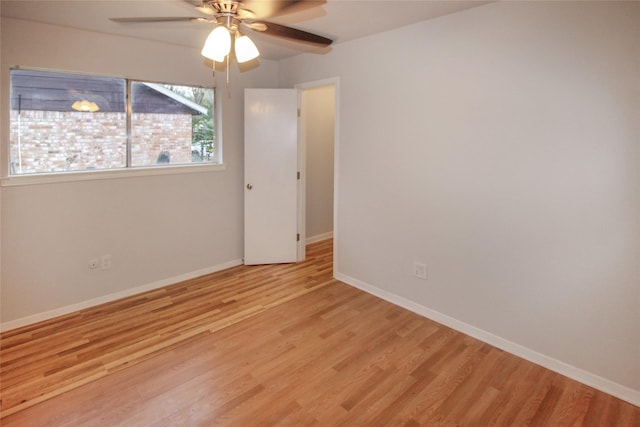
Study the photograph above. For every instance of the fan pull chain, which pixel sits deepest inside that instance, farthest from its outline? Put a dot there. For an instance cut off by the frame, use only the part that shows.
(228, 81)
(213, 72)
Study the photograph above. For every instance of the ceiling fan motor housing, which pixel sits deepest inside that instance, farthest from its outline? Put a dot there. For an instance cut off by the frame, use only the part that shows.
(220, 7)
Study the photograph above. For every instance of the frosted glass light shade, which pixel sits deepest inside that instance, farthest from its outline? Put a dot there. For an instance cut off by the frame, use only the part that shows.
(217, 45)
(245, 49)
(85, 106)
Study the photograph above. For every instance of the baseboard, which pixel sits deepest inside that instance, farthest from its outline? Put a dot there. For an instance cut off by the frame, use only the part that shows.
(319, 237)
(39, 317)
(622, 392)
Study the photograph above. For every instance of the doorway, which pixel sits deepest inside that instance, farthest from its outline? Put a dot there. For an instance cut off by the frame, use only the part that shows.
(317, 154)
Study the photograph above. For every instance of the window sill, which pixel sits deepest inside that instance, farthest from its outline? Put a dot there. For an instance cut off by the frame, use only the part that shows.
(50, 178)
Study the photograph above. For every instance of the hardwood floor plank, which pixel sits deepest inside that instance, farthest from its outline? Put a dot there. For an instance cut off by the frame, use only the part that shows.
(469, 395)
(276, 345)
(572, 403)
(542, 400)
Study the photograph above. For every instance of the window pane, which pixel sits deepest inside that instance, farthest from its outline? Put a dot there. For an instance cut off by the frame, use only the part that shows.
(171, 125)
(66, 122)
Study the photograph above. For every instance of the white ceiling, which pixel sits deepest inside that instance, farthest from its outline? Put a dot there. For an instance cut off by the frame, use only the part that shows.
(340, 20)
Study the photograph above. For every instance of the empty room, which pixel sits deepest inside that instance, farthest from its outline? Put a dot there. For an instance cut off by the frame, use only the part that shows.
(319, 213)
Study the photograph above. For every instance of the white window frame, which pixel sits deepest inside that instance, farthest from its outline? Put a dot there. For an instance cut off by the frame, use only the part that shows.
(7, 180)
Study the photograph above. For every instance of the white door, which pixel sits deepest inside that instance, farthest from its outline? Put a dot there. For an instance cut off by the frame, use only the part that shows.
(270, 172)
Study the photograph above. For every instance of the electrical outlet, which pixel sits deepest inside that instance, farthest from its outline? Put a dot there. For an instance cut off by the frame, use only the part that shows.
(420, 270)
(105, 262)
(93, 264)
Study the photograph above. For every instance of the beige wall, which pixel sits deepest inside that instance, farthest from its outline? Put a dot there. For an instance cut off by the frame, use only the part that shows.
(501, 147)
(156, 228)
(318, 106)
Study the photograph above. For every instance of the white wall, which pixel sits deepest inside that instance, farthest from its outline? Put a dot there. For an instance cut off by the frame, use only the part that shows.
(157, 228)
(318, 115)
(500, 146)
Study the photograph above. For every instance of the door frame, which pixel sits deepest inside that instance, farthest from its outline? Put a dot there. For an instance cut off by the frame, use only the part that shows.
(302, 152)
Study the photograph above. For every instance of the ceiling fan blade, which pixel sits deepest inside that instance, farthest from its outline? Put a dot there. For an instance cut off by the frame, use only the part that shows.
(205, 9)
(261, 9)
(160, 19)
(290, 33)
(257, 26)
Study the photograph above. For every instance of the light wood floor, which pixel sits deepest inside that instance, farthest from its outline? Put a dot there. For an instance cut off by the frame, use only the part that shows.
(277, 345)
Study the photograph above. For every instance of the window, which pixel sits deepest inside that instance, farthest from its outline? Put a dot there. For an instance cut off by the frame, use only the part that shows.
(61, 122)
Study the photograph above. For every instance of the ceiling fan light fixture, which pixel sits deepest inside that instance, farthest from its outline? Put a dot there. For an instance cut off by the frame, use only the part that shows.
(245, 49)
(218, 44)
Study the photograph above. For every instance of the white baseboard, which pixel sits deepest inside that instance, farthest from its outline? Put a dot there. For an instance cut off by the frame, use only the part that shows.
(618, 390)
(319, 237)
(39, 317)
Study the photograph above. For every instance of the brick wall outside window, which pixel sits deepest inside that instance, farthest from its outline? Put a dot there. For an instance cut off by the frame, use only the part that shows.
(52, 141)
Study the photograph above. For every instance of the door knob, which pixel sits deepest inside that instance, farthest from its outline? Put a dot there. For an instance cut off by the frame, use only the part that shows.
(249, 186)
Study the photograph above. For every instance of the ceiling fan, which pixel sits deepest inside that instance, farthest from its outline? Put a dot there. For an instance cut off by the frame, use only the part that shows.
(233, 17)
